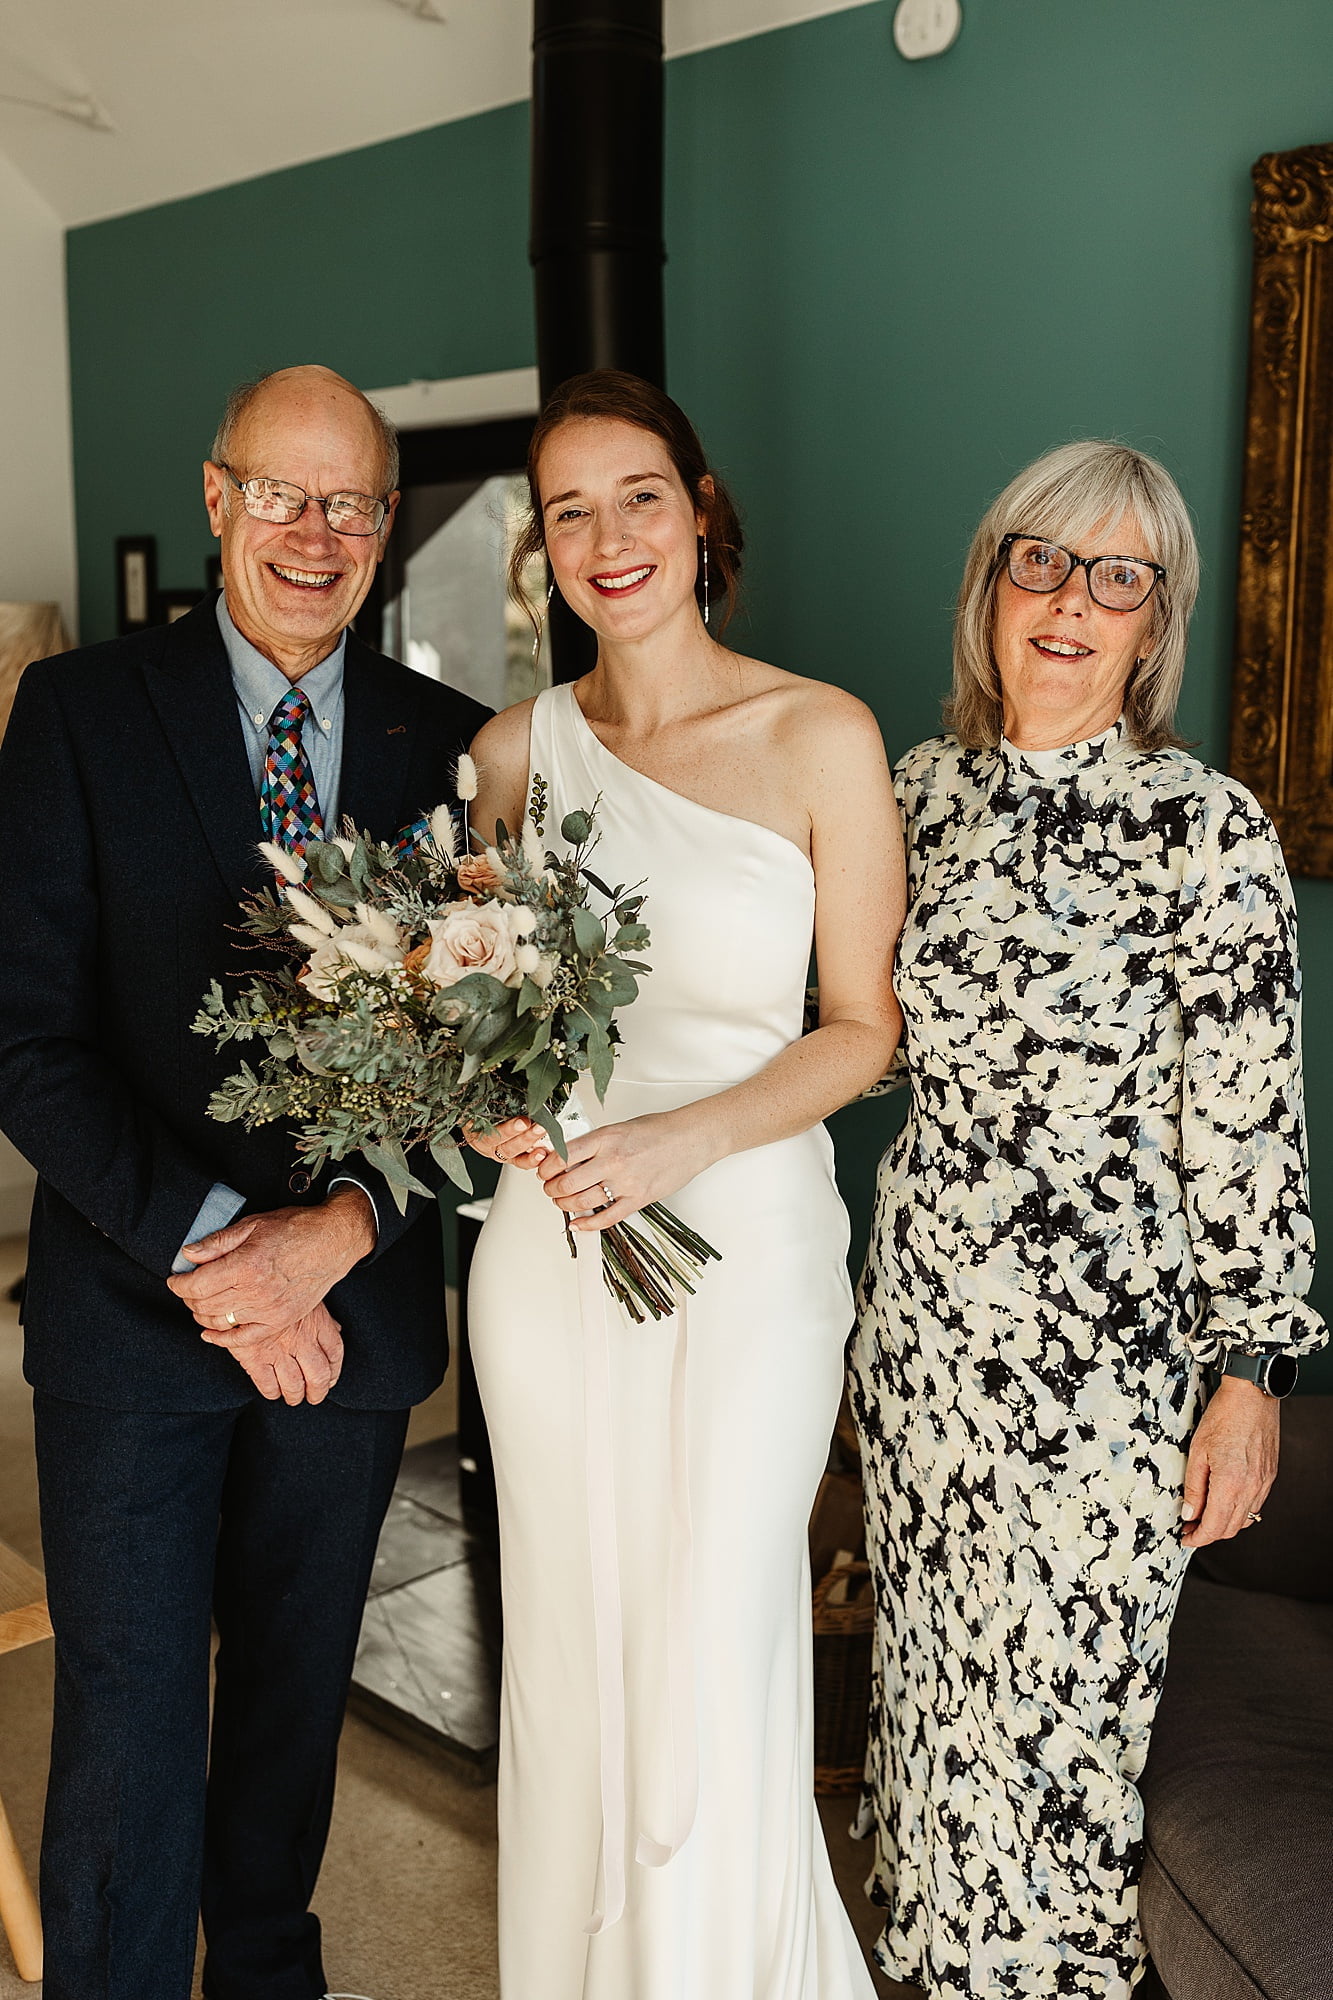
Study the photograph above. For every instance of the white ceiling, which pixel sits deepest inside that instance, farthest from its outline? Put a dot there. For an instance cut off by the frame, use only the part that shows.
(199, 93)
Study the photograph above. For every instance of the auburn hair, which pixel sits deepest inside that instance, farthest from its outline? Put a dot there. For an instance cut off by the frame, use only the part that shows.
(628, 399)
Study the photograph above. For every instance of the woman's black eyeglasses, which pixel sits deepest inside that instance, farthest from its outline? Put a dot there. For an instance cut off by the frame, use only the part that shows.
(1117, 583)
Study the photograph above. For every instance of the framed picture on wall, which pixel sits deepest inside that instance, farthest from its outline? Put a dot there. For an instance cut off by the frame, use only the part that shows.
(136, 582)
(1282, 696)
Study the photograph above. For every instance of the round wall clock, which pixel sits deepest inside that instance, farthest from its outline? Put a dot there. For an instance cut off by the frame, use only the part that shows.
(926, 27)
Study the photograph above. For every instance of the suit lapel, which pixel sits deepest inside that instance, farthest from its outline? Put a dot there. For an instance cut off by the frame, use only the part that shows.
(190, 685)
(379, 722)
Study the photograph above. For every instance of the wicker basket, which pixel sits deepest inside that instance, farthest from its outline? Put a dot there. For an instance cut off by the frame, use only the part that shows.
(844, 1621)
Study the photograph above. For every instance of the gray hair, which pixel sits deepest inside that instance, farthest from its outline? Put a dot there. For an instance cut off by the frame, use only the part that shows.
(1063, 496)
(240, 400)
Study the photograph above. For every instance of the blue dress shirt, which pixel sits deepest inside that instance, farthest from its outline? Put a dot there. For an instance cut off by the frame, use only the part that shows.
(260, 686)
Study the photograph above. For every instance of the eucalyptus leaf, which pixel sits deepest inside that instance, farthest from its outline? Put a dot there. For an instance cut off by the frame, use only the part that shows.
(340, 894)
(589, 933)
(601, 1058)
(550, 1124)
(622, 987)
(575, 1026)
(487, 1030)
(543, 1076)
(518, 1048)
(449, 1158)
(386, 1160)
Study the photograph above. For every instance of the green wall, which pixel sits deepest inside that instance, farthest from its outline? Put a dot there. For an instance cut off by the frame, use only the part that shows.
(397, 262)
(890, 285)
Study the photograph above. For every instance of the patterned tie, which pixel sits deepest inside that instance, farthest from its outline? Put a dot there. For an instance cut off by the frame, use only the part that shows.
(288, 803)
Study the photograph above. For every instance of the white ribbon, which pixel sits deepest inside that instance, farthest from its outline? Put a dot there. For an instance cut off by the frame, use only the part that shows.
(604, 1547)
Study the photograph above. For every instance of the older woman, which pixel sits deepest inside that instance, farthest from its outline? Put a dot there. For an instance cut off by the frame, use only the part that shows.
(1100, 1190)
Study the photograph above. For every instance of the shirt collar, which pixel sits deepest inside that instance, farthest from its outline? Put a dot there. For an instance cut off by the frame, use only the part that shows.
(260, 686)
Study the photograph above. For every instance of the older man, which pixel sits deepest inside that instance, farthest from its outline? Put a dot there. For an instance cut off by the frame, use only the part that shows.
(185, 1478)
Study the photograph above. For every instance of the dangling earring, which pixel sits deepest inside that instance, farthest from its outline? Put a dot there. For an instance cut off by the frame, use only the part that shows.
(705, 579)
(541, 628)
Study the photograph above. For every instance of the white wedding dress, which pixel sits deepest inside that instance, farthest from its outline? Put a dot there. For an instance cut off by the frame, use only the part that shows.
(658, 1832)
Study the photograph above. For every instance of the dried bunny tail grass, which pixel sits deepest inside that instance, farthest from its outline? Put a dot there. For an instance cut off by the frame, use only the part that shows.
(314, 913)
(441, 823)
(380, 927)
(534, 852)
(465, 785)
(289, 866)
(307, 934)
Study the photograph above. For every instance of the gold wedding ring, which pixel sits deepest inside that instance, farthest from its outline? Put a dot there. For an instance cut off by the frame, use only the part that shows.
(231, 1319)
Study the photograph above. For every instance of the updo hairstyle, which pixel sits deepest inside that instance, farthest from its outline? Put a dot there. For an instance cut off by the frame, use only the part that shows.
(628, 399)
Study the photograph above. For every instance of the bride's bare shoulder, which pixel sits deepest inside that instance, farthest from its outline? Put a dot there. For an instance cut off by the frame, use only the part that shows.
(506, 736)
(812, 714)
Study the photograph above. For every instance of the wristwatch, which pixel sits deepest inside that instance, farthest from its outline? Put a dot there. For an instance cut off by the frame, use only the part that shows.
(1275, 1374)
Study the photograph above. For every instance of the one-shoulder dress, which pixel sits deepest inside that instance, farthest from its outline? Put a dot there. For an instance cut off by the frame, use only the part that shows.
(658, 1832)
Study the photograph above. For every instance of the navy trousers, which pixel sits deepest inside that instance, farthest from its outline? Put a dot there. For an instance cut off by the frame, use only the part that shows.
(264, 1520)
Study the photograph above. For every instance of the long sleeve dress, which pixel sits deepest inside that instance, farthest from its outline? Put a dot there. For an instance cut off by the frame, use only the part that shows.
(1101, 1183)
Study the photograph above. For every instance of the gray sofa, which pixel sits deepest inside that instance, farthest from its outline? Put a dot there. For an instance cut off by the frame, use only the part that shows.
(1237, 1897)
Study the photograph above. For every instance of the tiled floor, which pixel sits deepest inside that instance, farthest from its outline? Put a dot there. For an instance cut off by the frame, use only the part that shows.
(429, 1658)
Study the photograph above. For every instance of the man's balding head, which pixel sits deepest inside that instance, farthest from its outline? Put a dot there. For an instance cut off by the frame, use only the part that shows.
(315, 387)
(293, 586)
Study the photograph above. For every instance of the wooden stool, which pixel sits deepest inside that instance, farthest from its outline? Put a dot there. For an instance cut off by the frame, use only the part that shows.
(23, 1620)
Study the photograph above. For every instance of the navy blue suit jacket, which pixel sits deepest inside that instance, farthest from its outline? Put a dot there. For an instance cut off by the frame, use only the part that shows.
(128, 834)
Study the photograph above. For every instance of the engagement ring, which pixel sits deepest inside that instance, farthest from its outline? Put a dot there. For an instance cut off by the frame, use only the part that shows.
(1256, 1517)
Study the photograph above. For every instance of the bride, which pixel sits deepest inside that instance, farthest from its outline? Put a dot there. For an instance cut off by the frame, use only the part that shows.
(658, 1832)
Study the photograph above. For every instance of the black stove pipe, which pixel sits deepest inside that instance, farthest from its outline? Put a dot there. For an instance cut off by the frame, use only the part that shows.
(597, 245)
(597, 253)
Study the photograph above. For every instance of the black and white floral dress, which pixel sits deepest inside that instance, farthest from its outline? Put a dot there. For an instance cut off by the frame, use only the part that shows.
(1102, 1181)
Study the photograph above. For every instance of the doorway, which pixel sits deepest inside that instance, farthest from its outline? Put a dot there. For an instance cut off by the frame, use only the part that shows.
(440, 601)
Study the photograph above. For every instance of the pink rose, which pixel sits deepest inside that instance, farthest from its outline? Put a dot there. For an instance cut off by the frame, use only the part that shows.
(477, 937)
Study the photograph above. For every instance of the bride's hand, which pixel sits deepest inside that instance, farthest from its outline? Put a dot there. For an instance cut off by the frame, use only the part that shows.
(519, 1142)
(619, 1169)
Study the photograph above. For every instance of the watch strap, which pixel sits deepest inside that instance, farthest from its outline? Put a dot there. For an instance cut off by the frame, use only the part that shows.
(1275, 1374)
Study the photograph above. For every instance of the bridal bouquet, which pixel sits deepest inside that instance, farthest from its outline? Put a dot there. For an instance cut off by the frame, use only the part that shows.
(425, 988)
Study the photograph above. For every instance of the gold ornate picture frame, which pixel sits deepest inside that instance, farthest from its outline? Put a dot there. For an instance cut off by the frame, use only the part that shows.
(1282, 706)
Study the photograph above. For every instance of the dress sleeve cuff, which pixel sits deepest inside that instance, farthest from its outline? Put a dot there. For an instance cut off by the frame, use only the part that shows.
(1273, 1325)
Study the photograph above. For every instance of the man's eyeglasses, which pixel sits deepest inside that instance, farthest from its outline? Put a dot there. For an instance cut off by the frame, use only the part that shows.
(276, 501)
(1117, 583)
